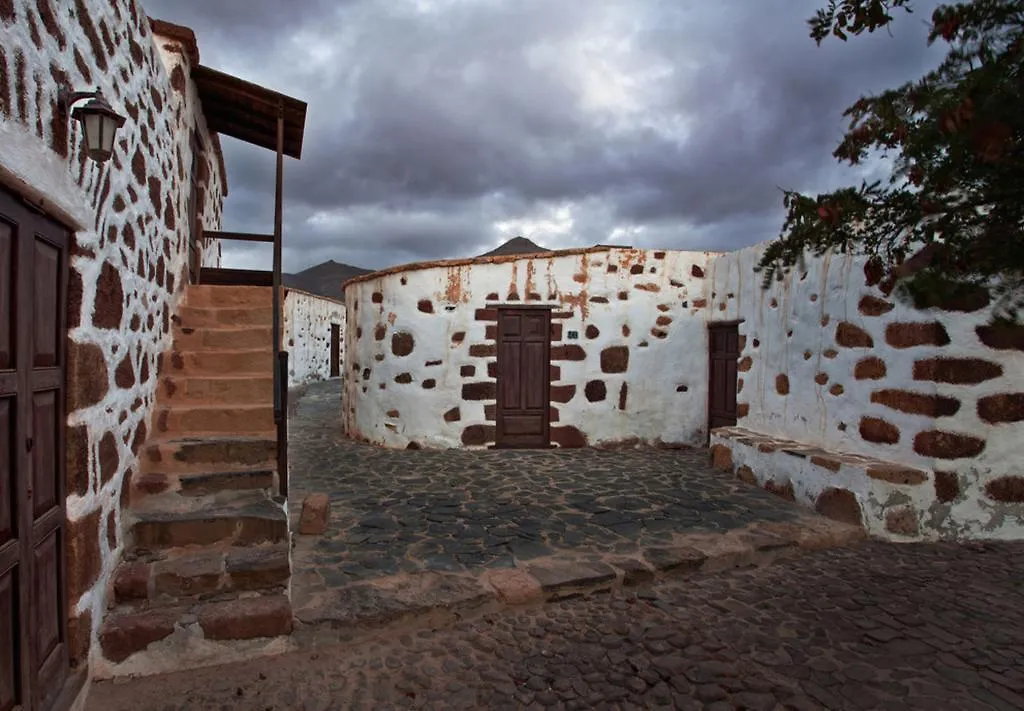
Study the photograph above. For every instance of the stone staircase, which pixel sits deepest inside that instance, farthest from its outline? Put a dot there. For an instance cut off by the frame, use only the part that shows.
(207, 544)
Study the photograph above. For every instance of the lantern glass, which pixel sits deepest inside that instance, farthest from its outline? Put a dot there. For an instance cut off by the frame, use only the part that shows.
(107, 131)
(93, 124)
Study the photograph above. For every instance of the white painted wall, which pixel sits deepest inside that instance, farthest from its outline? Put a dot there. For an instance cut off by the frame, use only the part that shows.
(654, 410)
(307, 335)
(797, 335)
(111, 209)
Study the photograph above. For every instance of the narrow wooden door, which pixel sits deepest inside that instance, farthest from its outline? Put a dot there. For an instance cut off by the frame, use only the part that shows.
(335, 350)
(524, 361)
(724, 343)
(33, 630)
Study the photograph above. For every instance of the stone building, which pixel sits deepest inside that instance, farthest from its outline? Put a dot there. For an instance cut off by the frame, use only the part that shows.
(824, 388)
(122, 381)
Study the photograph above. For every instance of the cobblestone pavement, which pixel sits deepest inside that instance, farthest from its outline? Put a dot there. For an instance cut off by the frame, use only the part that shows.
(399, 511)
(871, 626)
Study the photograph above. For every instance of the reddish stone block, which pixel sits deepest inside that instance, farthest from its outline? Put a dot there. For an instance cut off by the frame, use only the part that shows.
(570, 351)
(721, 457)
(917, 403)
(745, 364)
(947, 445)
(746, 474)
(896, 474)
(84, 560)
(568, 436)
(401, 378)
(123, 636)
(783, 490)
(947, 486)
(491, 412)
(869, 369)
(79, 637)
(562, 393)
(874, 271)
(821, 378)
(481, 390)
(875, 429)
(108, 307)
(1005, 407)
(623, 392)
(458, 337)
(476, 435)
(1006, 489)
(556, 332)
(151, 483)
(902, 522)
(851, 336)
(425, 306)
(830, 463)
(909, 335)
(615, 359)
(77, 467)
(595, 390)
(453, 415)
(873, 306)
(839, 505)
(782, 384)
(742, 410)
(490, 333)
(402, 343)
(483, 350)
(1002, 337)
(377, 297)
(269, 616)
(467, 371)
(592, 331)
(316, 511)
(697, 271)
(961, 371)
(88, 380)
(486, 315)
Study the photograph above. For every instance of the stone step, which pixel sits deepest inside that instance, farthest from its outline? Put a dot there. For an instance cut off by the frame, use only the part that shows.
(221, 338)
(227, 316)
(131, 629)
(217, 295)
(200, 455)
(202, 483)
(198, 420)
(228, 389)
(200, 572)
(250, 361)
(243, 518)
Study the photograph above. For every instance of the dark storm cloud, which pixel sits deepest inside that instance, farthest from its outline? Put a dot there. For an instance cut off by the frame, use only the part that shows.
(433, 123)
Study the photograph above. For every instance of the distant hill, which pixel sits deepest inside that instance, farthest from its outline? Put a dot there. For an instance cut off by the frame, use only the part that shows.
(516, 245)
(324, 279)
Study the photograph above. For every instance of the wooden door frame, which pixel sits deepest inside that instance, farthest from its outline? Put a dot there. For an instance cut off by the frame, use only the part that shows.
(335, 364)
(498, 444)
(711, 325)
(74, 679)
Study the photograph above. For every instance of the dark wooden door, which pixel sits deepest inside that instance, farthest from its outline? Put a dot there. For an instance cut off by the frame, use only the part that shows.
(335, 350)
(33, 630)
(724, 346)
(524, 362)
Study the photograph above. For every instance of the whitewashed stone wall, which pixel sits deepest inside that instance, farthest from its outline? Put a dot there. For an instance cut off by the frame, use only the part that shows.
(307, 335)
(421, 349)
(129, 247)
(832, 359)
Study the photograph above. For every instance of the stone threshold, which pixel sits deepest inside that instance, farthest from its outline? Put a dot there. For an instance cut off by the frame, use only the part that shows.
(414, 602)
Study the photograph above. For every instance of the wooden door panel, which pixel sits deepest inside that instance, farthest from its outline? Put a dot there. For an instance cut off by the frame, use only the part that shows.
(519, 425)
(8, 510)
(45, 311)
(46, 597)
(723, 344)
(534, 363)
(10, 636)
(510, 379)
(45, 486)
(335, 350)
(7, 303)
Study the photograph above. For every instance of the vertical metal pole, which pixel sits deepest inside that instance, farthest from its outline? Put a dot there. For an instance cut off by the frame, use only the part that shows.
(280, 378)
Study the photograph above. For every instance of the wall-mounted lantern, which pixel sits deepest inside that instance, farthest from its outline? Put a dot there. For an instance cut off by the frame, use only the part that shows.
(99, 121)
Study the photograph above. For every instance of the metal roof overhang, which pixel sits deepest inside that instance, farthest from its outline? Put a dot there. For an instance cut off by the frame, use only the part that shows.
(246, 111)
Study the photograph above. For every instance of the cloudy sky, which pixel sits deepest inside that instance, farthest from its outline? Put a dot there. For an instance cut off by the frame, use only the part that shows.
(441, 128)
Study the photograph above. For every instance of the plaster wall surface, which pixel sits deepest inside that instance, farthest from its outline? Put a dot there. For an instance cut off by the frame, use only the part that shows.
(129, 247)
(629, 358)
(832, 359)
(307, 335)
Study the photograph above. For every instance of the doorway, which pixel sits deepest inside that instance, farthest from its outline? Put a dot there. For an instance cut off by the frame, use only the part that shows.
(335, 350)
(33, 624)
(523, 418)
(724, 350)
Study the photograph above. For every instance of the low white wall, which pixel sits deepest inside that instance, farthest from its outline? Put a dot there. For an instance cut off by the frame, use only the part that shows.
(832, 360)
(421, 348)
(307, 335)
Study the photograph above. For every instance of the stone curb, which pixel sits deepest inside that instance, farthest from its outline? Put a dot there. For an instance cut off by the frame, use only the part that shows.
(405, 604)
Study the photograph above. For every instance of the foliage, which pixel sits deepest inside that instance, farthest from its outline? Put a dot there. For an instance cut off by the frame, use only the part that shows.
(955, 197)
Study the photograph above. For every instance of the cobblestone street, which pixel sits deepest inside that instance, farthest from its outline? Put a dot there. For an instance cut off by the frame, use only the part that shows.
(871, 626)
(453, 510)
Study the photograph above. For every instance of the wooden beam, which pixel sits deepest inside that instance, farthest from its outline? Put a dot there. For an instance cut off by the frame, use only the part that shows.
(244, 236)
(235, 277)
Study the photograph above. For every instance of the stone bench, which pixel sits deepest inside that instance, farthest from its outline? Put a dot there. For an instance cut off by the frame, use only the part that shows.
(887, 499)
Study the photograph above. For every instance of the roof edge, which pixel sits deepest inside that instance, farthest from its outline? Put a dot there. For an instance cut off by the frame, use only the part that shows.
(468, 261)
(180, 33)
